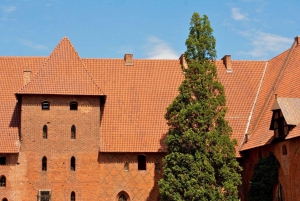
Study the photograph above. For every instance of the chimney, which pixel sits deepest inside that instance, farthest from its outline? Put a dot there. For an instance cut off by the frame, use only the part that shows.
(227, 62)
(26, 76)
(183, 61)
(128, 59)
(297, 39)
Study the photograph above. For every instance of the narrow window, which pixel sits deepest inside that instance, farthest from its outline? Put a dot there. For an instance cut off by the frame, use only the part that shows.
(126, 166)
(284, 150)
(280, 193)
(141, 162)
(2, 160)
(2, 181)
(73, 132)
(44, 195)
(157, 167)
(73, 196)
(73, 163)
(45, 105)
(122, 197)
(44, 164)
(73, 105)
(45, 132)
(4, 199)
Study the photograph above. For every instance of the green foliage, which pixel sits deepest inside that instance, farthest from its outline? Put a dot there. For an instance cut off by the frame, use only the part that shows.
(265, 176)
(201, 163)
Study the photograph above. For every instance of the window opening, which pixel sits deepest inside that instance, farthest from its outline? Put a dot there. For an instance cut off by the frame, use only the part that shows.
(73, 132)
(45, 105)
(73, 163)
(44, 195)
(2, 181)
(280, 194)
(2, 160)
(44, 164)
(280, 127)
(157, 167)
(73, 105)
(141, 162)
(45, 132)
(284, 150)
(126, 166)
(4, 199)
(122, 197)
(73, 196)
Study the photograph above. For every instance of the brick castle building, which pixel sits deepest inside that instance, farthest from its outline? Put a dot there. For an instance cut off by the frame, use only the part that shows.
(93, 129)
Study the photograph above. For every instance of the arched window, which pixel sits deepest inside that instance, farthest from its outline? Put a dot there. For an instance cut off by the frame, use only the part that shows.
(122, 197)
(2, 181)
(284, 150)
(141, 162)
(45, 105)
(73, 196)
(45, 132)
(73, 163)
(73, 132)
(44, 164)
(73, 105)
(4, 199)
(280, 193)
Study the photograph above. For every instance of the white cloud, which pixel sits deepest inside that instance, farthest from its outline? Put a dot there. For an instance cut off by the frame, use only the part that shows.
(237, 15)
(159, 49)
(6, 11)
(264, 43)
(32, 45)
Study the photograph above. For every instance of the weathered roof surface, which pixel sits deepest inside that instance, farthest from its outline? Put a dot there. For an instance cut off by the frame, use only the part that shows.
(290, 108)
(63, 73)
(282, 79)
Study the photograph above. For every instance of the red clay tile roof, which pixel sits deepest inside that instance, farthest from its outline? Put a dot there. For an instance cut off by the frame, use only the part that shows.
(63, 74)
(137, 96)
(282, 78)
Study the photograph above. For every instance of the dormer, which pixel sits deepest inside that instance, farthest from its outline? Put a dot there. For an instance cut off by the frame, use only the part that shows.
(286, 115)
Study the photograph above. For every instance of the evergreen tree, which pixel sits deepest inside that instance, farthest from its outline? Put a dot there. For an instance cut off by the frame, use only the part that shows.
(201, 163)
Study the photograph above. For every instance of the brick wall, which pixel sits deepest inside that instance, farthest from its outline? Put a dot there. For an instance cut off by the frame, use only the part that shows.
(98, 176)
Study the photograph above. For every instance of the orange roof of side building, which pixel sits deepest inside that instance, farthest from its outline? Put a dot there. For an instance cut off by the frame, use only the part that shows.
(137, 94)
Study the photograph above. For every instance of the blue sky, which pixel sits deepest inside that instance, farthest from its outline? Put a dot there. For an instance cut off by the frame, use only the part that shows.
(245, 29)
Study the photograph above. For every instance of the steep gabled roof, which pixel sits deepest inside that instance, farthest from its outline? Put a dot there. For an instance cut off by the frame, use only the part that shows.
(62, 74)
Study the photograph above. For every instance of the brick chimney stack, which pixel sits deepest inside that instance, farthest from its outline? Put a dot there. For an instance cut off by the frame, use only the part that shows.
(227, 62)
(183, 61)
(26, 76)
(297, 39)
(128, 59)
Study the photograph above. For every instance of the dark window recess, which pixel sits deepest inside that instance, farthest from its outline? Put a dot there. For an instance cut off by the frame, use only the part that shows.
(141, 162)
(122, 197)
(45, 132)
(73, 105)
(126, 166)
(157, 167)
(284, 150)
(280, 193)
(44, 195)
(44, 164)
(45, 105)
(2, 181)
(73, 163)
(73, 196)
(281, 129)
(2, 160)
(4, 199)
(73, 132)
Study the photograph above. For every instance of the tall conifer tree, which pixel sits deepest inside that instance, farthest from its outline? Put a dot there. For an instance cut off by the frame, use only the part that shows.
(201, 163)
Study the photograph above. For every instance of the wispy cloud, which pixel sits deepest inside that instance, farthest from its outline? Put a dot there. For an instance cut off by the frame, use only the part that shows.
(159, 49)
(237, 15)
(264, 43)
(6, 10)
(32, 45)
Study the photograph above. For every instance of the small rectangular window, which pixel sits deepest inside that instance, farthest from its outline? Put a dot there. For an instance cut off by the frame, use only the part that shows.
(45, 105)
(2, 160)
(73, 105)
(44, 195)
